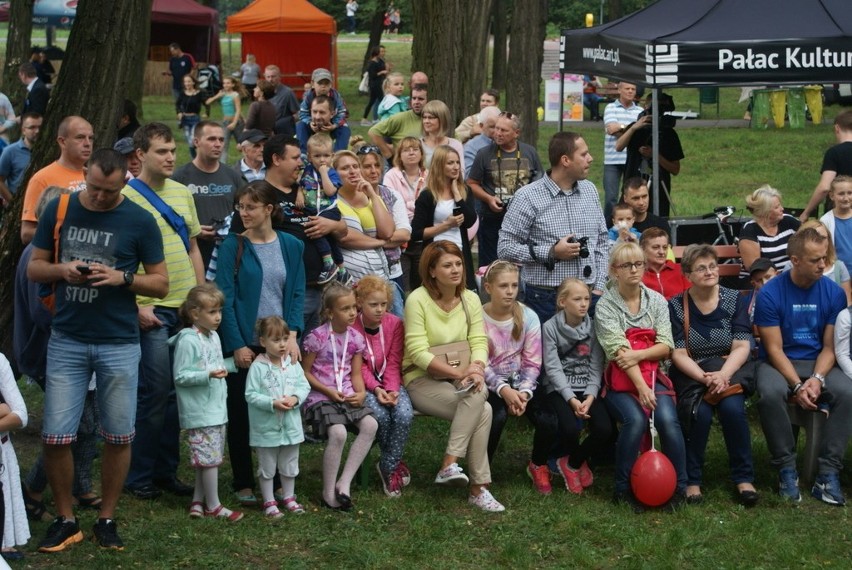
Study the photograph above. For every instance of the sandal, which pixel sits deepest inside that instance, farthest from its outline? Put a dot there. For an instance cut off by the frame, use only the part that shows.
(196, 510)
(88, 502)
(36, 510)
(291, 505)
(248, 500)
(221, 512)
(270, 510)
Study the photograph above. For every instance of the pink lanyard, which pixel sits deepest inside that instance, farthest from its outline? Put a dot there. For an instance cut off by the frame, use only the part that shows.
(339, 366)
(376, 371)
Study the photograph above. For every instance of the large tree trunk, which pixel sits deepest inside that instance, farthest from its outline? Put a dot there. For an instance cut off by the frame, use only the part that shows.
(377, 26)
(526, 53)
(499, 23)
(139, 56)
(98, 70)
(452, 35)
(17, 49)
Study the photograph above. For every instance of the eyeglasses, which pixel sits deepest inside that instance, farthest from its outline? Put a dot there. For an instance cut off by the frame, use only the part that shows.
(425, 116)
(247, 207)
(712, 268)
(630, 266)
(368, 149)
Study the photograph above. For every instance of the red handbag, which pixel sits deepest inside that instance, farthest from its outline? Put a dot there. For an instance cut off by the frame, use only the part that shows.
(617, 379)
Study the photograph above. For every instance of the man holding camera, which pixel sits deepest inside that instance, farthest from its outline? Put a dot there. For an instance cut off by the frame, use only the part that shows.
(498, 171)
(637, 139)
(555, 227)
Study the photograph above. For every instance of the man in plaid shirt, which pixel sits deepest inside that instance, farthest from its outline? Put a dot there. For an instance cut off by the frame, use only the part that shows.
(555, 227)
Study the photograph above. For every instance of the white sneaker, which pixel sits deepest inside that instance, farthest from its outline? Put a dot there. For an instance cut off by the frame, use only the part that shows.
(486, 501)
(452, 476)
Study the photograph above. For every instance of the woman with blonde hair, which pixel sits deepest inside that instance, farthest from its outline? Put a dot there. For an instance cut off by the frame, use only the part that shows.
(767, 234)
(445, 209)
(436, 130)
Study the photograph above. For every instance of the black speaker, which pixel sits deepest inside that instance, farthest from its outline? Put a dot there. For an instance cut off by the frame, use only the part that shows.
(686, 231)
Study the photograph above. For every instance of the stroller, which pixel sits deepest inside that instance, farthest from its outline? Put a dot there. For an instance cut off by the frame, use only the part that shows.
(209, 82)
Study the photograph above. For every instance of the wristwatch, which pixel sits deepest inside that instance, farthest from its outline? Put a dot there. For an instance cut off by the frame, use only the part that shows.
(819, 377)
(128, 278)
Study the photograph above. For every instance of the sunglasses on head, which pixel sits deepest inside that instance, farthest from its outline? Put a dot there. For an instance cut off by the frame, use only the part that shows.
(368, 149)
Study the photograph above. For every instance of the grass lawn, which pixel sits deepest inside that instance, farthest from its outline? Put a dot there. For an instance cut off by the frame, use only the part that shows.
(432, 527)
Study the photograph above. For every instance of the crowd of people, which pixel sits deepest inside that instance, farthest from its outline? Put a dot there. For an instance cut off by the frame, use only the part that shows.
(314, 287)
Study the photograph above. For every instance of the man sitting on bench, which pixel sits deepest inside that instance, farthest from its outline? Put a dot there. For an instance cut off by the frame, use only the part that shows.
(795, 315)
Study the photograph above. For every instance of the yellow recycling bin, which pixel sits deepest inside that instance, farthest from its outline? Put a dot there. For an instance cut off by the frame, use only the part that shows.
(813, 97)
(778, 106)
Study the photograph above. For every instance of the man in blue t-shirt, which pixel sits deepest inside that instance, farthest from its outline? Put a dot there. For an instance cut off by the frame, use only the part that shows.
(180, 64)
(795, 316)
(104, 238)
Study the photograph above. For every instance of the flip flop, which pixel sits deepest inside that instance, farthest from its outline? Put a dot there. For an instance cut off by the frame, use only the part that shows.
(247, 500)
(88, 502)
(36, 510)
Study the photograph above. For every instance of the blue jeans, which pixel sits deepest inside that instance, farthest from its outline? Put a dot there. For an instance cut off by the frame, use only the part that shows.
(612, 188)
(732, 417)
(188, 126)
(489, 233)
(542, 300)
(70, 365)
(311, 310)
(340, 136)
(398, 306)
(625, 408)
(156, 449)
(394, 425)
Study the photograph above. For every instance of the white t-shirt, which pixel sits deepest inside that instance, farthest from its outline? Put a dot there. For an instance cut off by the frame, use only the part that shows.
(443, 210)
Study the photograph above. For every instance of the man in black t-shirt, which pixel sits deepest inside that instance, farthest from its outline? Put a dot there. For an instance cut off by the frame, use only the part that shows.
(213, 186)
(283, 161)
(836, 162)
(635, 195)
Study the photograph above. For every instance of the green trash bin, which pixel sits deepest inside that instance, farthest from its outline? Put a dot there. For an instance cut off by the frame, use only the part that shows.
(760, 109)
(708, 95)
(796, 107)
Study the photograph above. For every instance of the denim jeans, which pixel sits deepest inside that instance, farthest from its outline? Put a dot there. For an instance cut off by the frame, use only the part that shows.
(489, 232)
(625, 408)
(732, 417)
(311, 310)
(612, 188)
(156, 449)
(70, 365)
(398, 306)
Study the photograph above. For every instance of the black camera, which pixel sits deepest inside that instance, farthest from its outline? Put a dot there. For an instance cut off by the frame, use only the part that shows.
(584, 245)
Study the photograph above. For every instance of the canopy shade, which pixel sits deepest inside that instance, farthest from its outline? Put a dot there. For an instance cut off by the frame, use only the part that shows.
(718, 42)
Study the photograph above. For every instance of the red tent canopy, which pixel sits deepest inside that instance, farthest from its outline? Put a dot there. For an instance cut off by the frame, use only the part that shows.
(295, 35)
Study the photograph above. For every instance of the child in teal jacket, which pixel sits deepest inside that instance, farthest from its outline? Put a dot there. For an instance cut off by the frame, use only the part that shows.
(275, 388)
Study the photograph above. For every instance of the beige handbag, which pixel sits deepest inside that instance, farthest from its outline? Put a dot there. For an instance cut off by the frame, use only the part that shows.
(455, 354)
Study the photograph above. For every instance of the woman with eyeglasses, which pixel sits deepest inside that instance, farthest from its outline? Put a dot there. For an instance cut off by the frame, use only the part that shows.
(633, 328)
(712, 342)
(445, 209)
(436, 130)
(661, 274)
(262, 274)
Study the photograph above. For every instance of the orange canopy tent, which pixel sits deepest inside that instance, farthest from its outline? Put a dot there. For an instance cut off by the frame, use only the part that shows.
(295, 35)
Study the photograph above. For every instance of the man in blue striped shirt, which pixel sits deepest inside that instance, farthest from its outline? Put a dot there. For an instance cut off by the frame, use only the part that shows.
(617, 116)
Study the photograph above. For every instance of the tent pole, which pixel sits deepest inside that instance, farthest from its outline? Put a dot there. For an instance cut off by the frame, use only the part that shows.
(561, 96)
(655, 149)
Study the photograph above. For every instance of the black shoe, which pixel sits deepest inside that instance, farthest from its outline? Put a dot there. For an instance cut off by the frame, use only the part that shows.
(13, 555)
(60, 535)
(145, 492)
(175, 487)
(105, 535)
(696, 499)
(747, 498)
(627, 498)
(344, 500)
(676, 502)
(340, 508)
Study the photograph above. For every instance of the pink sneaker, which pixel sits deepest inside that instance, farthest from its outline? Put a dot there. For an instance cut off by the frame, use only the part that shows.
(392, 484)
(586, 477)
(540, 476)
(571, 476)
(405, 473)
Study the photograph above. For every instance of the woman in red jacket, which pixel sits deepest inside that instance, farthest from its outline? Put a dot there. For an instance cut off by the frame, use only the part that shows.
(661, 274)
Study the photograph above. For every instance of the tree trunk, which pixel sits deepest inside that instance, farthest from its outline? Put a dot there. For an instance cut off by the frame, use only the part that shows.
(377, 26)
(136, 79)
(17, 50)
(499, 23)
(526, 53)
(98, 70)
(452, 35)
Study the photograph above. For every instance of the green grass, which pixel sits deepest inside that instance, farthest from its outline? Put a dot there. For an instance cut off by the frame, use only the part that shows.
(431, 527)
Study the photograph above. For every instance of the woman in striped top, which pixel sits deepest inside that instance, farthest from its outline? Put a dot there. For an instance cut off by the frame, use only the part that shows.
(767, 234)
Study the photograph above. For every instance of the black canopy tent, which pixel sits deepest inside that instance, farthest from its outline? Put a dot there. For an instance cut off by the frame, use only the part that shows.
(716, 42)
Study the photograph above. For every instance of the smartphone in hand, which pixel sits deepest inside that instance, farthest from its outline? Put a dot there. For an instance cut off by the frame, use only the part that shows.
(84, 269)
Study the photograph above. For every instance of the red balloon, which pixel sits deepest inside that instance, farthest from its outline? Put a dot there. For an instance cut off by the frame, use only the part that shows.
(653, 478)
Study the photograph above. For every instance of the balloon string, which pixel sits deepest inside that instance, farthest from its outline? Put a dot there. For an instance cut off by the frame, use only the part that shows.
(653, 432)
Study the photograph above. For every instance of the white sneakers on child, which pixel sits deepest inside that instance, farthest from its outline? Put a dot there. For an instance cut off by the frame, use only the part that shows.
(452, 476)
(486, 501)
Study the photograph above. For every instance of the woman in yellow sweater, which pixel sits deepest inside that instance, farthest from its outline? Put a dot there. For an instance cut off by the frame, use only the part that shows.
(440, 312)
